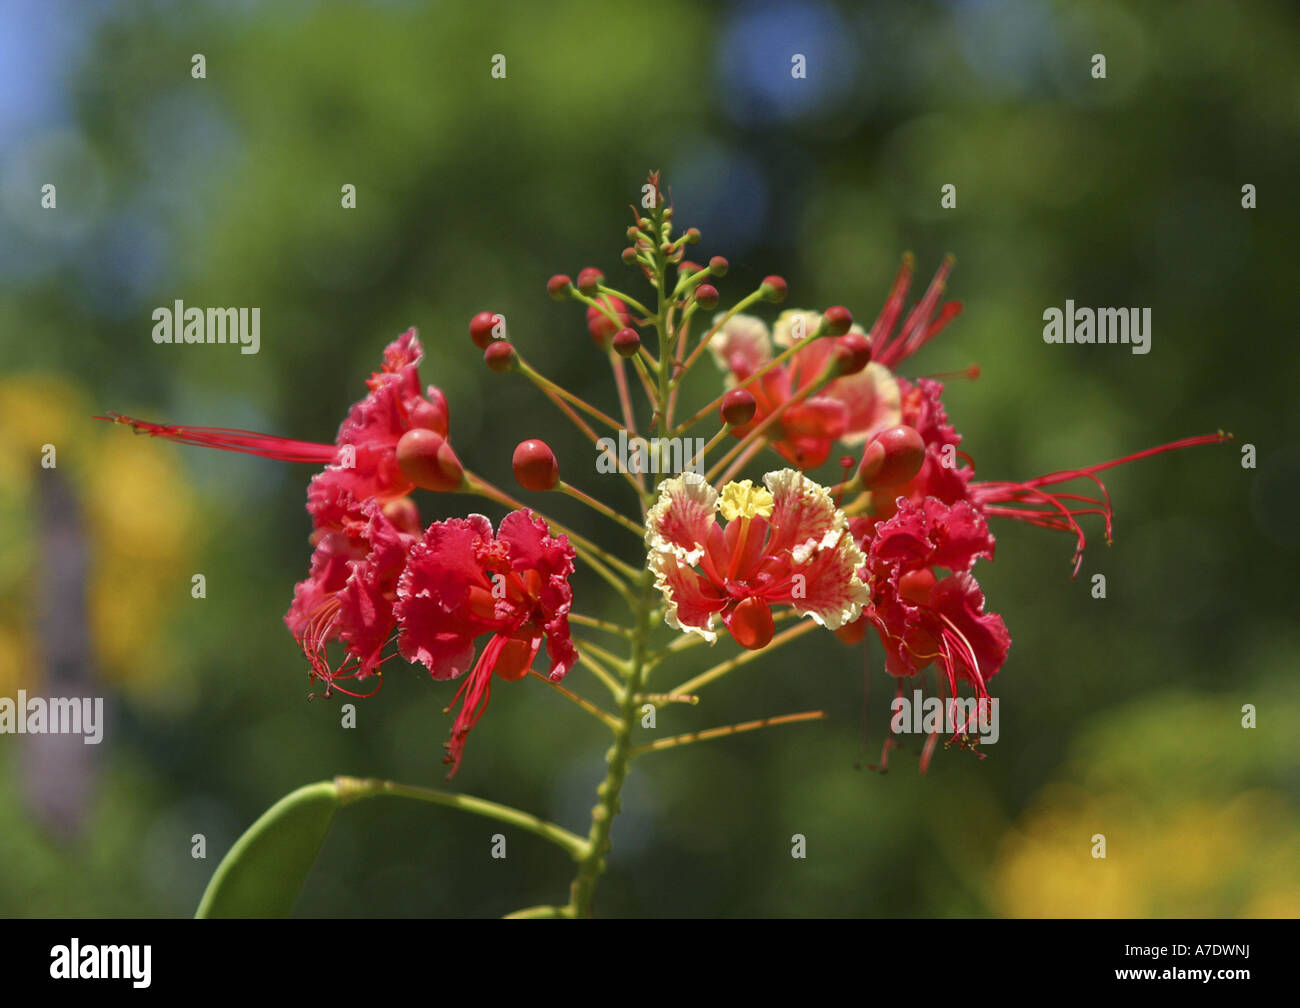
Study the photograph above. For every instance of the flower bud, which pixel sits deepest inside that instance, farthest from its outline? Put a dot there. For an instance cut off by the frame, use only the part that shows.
(560, 287)
(718, 266)
(500, 356)
(774, 289)
(629, 256)
(404, 515)
(535, 466)
(589, 279)
(686, 268)
(738, 407)
(852, 633)
(482, 328)
(633, 233)
(837, 320)
(692, 236)
(427, 460)
(431, 415)
(627, 342)
(706, 296)
(852, 352)
(600, 325)
(752, 625)
(893, 457)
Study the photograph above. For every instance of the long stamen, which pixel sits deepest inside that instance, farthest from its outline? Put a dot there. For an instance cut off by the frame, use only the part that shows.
(231, 439)
(997, 497)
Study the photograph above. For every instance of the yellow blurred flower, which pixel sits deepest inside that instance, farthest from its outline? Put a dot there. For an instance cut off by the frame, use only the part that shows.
(138, 517)
(1177, 843)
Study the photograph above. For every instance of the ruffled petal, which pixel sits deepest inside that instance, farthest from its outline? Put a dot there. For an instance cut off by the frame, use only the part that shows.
(829, 589)
(804, 516)
(690, 601)
(679, 521)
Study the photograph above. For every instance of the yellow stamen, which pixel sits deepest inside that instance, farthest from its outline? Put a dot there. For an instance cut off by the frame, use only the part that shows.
(744, 500)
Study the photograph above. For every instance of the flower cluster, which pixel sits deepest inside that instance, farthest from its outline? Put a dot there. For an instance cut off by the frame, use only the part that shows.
(891, 545)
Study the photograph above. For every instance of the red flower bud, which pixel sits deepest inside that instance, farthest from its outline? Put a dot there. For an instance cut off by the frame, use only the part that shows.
(482, 328)
(427, 460)
(431, 415)
(535, 466)
(589, 279)
(718, 266)
(633, 233)
(686, 268)
(692, 236)
(852, 633)
(706, 296)
(852, 353)
(629, 255)
(838, 319)
(774, 289)
(559, 287)
(893, 457)
(403, 513)
(752, 625)
(600, 325)
(500, 356)
(627, 342)
(738, 407)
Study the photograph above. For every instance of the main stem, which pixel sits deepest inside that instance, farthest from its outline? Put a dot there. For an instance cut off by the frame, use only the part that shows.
(620, 754)
(618, 758)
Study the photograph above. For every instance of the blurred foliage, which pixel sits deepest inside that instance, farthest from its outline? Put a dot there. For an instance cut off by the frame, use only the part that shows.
(471, 191)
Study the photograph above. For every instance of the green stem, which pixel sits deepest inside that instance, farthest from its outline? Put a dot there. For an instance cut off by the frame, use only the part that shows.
(535, 912)
(355, 788)
(618, 758)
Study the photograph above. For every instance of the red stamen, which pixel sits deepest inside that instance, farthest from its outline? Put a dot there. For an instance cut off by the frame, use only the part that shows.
(997, 497)
(230, 439)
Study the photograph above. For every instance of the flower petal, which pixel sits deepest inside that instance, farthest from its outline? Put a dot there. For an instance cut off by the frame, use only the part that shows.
(741, 346)
(872, 399)
(803, 514)
(680, 520)
(690, 601)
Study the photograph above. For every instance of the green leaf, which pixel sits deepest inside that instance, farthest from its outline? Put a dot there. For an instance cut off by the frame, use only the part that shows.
(264, 871)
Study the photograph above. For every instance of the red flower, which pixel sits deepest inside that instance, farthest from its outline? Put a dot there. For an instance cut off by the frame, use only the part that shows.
(920, 617)
(946, 473)
(786, 545)
(364, 464)
(350, 592)
(849, 408)
(852, 408)
(363, 519)
(460, 583)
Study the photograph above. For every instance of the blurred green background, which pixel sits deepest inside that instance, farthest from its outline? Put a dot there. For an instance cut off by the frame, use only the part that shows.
(1119, 716)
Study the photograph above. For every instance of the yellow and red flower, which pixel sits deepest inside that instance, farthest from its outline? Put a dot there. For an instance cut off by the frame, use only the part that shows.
(788, 544)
